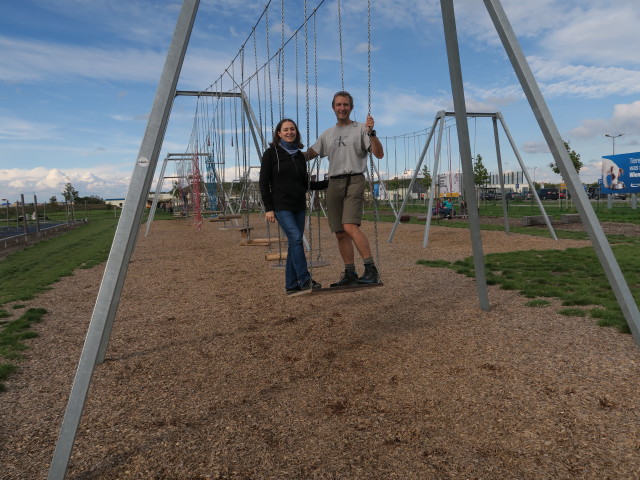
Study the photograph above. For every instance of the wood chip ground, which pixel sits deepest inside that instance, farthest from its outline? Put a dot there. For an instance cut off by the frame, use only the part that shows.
(212, 372)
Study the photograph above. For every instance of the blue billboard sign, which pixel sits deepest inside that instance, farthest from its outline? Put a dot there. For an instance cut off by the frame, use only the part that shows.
(376, 190)
(620, 173)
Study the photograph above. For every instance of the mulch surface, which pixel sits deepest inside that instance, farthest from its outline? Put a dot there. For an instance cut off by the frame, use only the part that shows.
(212, 372)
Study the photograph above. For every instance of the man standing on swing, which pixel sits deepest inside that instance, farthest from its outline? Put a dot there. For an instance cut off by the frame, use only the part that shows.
(347, 144)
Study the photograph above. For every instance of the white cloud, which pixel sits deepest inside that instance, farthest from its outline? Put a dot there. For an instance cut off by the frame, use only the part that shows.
(34, 61)
(558, 78)
(12, 128)
(535, 147)
(604, 35)
(395, 107)
(103, 181)
(625, 119)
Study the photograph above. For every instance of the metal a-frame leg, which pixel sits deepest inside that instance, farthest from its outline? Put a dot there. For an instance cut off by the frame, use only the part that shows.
(156, 195)
(439, 115)
(434, 177)
(503, 199)
(527, 176)
(569, 174)
(460, 108)
(124, 241)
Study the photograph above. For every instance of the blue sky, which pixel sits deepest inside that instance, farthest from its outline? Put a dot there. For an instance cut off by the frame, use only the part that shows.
(78, 78)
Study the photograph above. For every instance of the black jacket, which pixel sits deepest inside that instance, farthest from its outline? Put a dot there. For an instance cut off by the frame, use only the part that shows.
(284, 181)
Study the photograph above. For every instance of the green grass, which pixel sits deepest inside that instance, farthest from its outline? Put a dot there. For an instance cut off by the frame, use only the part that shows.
(538, 302)
(12, 336)
(621, 211)
(26, 273)
(31, 271)
(574, 276)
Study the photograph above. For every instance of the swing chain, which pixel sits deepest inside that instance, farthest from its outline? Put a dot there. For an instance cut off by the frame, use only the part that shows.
(375, 200)
(340, 42)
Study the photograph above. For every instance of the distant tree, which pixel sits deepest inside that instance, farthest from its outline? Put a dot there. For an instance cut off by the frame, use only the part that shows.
(575, 159)
(53, 201)
(91, 200)
(69, 193)
(393, 184)
(175, 189)
(426, 177)
(480, 173)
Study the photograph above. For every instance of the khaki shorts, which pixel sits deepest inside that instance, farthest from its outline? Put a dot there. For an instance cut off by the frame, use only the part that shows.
(345, 200)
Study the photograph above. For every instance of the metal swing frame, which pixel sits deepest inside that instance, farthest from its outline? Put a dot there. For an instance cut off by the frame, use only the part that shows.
(439, 124)
(101, 323)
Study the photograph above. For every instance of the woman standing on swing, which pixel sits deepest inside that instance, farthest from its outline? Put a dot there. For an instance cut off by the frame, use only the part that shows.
(283, 186)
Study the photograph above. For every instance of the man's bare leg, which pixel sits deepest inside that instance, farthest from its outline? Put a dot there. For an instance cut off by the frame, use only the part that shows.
(359, 239)
(345, 246)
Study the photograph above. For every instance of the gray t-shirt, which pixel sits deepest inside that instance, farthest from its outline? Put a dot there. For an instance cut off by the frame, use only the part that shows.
(346, 146)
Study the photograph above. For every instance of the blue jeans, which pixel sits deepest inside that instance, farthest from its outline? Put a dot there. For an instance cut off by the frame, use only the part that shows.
(292, 223)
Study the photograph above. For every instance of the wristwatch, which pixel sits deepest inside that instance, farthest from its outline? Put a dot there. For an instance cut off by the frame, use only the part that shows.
(372, 133)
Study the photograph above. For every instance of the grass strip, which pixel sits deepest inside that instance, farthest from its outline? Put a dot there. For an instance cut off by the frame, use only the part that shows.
(574, 276)
(12, 337)
(32, 270)
(28, 272)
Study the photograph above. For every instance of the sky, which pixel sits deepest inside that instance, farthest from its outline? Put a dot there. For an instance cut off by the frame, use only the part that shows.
(78, 80)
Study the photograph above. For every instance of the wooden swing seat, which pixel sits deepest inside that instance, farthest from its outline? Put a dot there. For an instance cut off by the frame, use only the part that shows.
(222, 218)
(270, 257)
(259, 242)
(342, 289)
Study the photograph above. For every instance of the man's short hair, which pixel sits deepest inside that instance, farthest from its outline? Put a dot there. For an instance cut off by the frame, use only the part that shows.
(341, 93)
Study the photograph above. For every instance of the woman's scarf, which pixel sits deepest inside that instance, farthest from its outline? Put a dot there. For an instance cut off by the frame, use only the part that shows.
(291, 148)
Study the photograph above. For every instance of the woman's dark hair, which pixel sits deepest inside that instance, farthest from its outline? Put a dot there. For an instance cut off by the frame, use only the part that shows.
(276, 138)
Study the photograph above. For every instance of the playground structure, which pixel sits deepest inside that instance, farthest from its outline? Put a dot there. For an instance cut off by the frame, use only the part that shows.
(439, 124)
(125, 238)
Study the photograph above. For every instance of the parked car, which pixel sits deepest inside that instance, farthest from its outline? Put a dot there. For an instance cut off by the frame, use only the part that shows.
(487, 196)
(619, 196)
(549, 194)
(515, 196)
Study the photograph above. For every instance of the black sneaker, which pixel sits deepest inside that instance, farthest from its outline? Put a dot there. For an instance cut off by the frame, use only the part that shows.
(370, 274)
(349, 277)
(310, 284)
(293, 290)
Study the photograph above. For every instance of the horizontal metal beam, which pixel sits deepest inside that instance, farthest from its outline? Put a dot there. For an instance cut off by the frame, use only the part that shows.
(194, 93)
(472, 114)
(185, 154)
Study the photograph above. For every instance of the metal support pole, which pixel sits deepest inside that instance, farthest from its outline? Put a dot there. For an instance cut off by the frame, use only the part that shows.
(503, 198)
(35, 210)
(569, 174)
(460, 108)
(156, 195)
(124, 241)
(436, 166)
(24, 215)
(415, 174)
(526, 174)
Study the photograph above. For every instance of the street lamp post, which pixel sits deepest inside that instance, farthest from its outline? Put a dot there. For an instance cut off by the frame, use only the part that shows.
(613, 140)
